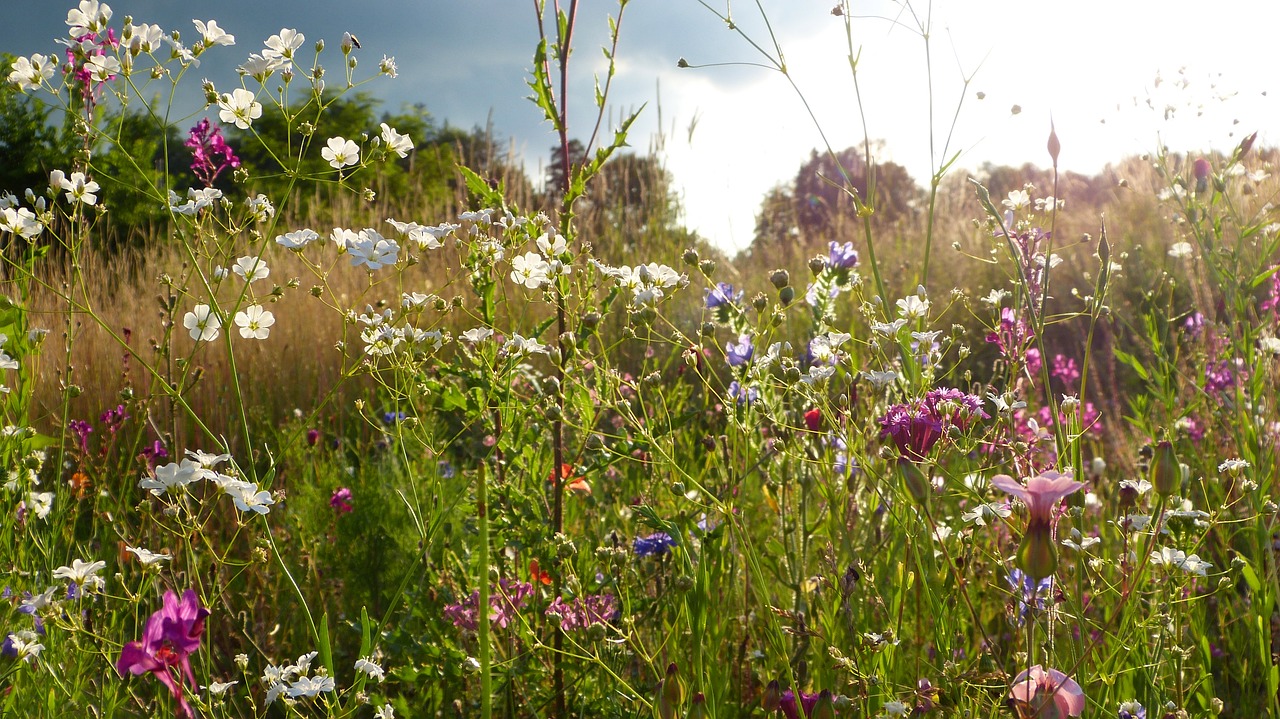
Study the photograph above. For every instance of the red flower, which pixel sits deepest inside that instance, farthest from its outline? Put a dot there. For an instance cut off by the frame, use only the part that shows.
(813, 419)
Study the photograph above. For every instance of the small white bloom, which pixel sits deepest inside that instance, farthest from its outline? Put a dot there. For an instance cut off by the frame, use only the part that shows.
(1017, 200)
(202, 323)
(147, 557)
(385, 712)
(388, 67)
(212, 35)
(340, 152)
(368, 666)
(913, 307)
(251, 268)
(311, 686)
(477, 335)
(217, 689)
(239, 107)
(80, 189)
(395, 142)
(1180, 250)
(83, 574)
(247, 497)
(284, 45)
(169, 477)
(255, 322)
(25, 644)
(31, 73)
(1233, 466)
(297, 239)
(41, 503)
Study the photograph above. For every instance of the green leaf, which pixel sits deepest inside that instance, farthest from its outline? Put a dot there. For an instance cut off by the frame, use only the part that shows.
(323, 646)
(1250, 576)
(366, 633)
(1264, 276)
(1132, 363)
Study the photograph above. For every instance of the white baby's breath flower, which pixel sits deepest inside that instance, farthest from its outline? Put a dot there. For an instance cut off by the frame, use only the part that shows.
(31, 73)
(146, 557)
(211, 34)
(366, 665)
(388, 67)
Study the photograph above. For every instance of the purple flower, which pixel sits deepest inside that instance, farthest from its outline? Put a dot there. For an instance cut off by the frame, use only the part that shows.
(341, 500)
(171, 636)
(313, 436)
(114, 418)
(788, 704)
(1218, 376)
(1194, 324)
(913, 427)
(1131, 710)
(741, 394)
(505, 602)
(445, 469)
(210, 154)
(1032, 593)
(584, 611)
(655, 544)
(82, 430)
(739, 353)
(1065, 369)
(722, 294)
(842, 257)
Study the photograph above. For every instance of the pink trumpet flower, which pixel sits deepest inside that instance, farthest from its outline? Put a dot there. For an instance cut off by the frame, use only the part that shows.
(1037, 555)
(1048, 693)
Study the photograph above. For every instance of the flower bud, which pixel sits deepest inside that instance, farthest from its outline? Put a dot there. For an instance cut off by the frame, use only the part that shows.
(759, 302)
(690, 257)
(825, 708)
(671, 693)
(916, 483)
(786, 295)
(772, 697)
(1166, 475)
(817, 265)
(708, 267)
(1036, 555)
(1201, 169)
(780, 278)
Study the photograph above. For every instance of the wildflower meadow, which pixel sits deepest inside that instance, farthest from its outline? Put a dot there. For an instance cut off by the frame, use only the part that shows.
(311, 410)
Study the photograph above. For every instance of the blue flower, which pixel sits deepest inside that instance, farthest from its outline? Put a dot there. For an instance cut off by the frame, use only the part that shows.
(445, 469)
(722, 294)
(743, 395)
(655, 544)
(1032, 593)
(392, 417)
(842, 257)
(740, 352)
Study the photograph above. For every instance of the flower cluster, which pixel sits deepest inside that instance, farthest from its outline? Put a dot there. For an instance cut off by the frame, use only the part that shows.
(210, 153)
(505, 602)
(584, 611)
(296, 680)
(916, 426)
(654, 545)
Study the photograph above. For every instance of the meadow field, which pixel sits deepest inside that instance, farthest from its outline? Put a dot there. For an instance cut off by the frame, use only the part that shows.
(315, 409)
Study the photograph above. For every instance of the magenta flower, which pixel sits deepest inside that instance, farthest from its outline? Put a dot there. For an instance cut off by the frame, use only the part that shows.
(791, 707)
(172, 634)
(341, 500)
(1047, 693)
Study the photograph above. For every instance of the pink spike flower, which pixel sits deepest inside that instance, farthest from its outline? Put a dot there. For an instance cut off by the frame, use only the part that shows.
(1047, 693)
(171, 636)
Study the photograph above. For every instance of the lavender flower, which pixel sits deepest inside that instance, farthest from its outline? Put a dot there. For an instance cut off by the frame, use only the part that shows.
(505, 602)
(1031, 593)
(742, 394)
(739, 353)
(842, 257)
(721, 295)
(584, 611)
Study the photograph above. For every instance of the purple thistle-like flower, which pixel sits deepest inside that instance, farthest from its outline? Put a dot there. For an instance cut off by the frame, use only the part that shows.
(740, 352)
(656, 544)
(842, 257)
(913, 428)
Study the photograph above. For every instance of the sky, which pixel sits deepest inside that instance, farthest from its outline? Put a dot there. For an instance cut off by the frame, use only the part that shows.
(1117, 78)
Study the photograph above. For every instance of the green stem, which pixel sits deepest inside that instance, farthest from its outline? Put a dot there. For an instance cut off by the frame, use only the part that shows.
(482, 518)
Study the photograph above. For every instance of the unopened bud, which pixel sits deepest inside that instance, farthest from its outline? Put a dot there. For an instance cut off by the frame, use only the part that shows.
(780, 278)
(690, 257)
(1166, 475)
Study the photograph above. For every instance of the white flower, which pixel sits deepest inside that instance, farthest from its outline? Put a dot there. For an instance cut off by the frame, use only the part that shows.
(978, 515)
(25, 645)
(912, 307)
(888, 329)
(368, 666)
(311, 686)
(247, 497)
(255, 322)
(476, 335)
(102, 68)
(83, 574)
(21, 222)
(880, 380)
(181, 52)
(995, 297)
(529, 270)
(217, 689)
(172, 476)
(143, 38)
(202, 323)
(80, 189)
(260, 207)
(146, 557)
(92, 16)
(385, 712)
(260, 67)
(251, 268)
(372, 250)
(395, 142)
(818, 374)
(1233, 466)
(411, 300)
(297, 239)
(283, 45)
(897, 708)
(388, 66)
(1140, 486)
(1079, 542)
(1179, 250)
(239, 107)
(41, 503)
(552, 247)
(341, 152)
(1268, 344)
(212, 34)
(1170, 557)
(1017, 200)
(31, 73)
(518, 345)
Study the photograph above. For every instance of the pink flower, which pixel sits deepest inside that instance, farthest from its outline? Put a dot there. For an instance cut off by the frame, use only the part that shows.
(1048, 693)
(172, 634)
(1041, 494)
